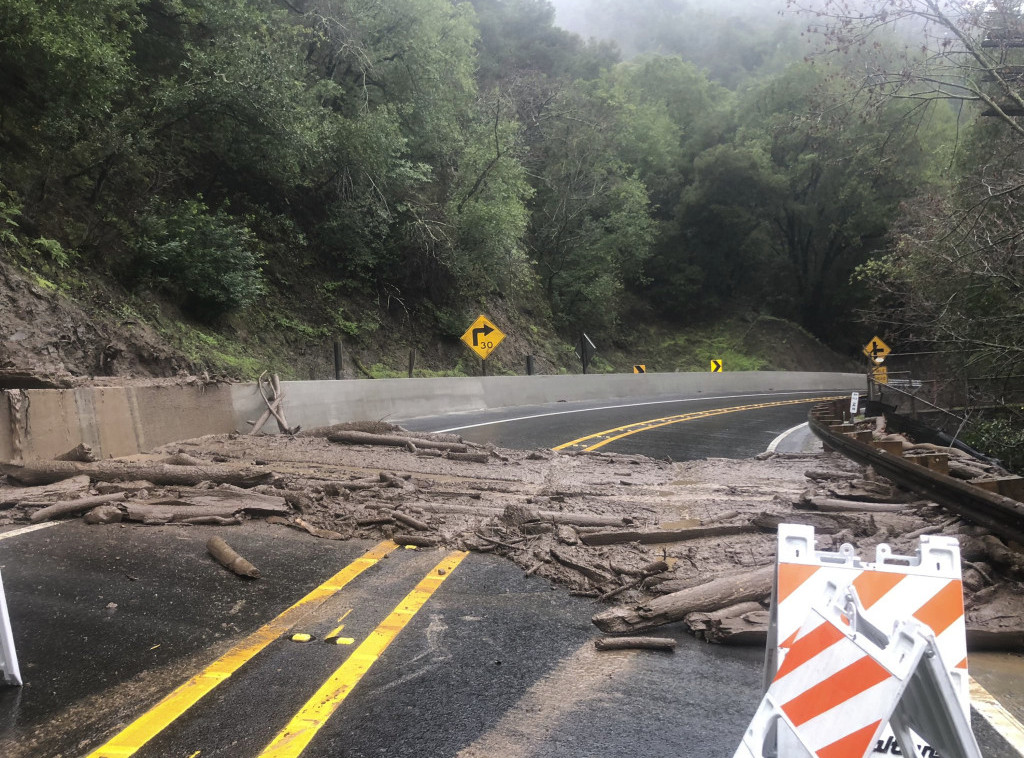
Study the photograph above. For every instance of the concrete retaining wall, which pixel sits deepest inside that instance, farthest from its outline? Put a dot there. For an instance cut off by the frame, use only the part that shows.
(117, 421)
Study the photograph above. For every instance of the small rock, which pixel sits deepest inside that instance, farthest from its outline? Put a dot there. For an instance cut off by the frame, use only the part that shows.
(567, 535)
(104, 514)
(518, 514)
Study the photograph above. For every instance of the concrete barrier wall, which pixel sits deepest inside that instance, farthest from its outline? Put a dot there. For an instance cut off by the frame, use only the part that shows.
(118, 421)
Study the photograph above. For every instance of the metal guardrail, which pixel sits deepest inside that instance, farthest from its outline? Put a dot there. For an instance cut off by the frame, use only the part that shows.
(1002, 515)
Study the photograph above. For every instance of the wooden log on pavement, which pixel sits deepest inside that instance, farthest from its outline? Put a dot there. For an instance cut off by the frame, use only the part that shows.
(69, 507)
(409, 521)
(12, 496)
(392, 440)
(47, 472)
(665, 609)
(636, 643)
(229, 559)
(656, 536)
(834, 505)
(741, 624)
(416, 540)
(769, 522)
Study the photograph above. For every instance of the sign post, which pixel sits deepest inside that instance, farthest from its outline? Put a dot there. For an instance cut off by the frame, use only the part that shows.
(587, 350)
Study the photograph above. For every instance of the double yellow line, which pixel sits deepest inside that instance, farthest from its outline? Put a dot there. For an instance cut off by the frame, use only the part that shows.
(600, 439)
(314, 714)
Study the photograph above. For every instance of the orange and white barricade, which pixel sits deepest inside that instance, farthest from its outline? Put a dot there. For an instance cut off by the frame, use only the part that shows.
(842, 636)
(9, 671)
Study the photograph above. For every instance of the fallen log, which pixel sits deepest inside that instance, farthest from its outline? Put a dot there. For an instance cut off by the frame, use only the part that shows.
(584, 519)
(207, 503)
(229, 559)
(833, 505)
(415, 523)
(636, 643)
(665, 609)
(11, 497)
(47, 472)
(68, 507)
(769, 522)
(741, 624)
(656, 536)
(830, 476)
(417, 540)
(211, 521)
(589, 572)
(316, 531)
(468, 457)
(1002, 555)
(392, 440)
(250, 502)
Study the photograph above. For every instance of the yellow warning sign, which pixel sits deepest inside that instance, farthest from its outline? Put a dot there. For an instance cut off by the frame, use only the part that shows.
(876, 350)
(880, 374)
(716, 366)
(483, 336)
(639, 368)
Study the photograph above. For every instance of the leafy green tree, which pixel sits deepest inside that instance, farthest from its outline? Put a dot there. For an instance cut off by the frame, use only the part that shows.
(207, 260)
(804, 193)
(591, 227)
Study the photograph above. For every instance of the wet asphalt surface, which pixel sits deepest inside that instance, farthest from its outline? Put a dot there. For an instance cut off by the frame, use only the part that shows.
(108, 620)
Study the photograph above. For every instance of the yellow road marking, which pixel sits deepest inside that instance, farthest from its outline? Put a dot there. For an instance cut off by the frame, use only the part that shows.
(294, 738)
(155, 720)
(610, 435)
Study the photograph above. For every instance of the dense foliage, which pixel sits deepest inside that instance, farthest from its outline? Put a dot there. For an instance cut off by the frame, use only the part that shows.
(430, 154)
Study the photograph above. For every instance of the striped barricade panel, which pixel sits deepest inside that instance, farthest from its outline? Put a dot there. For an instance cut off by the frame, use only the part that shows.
(925, 587)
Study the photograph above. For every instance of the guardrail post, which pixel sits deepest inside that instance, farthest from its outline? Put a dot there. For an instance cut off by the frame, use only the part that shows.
(339, 360)
(529, 365)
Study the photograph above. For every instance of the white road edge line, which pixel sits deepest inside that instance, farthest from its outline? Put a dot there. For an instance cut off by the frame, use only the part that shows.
(1000, 719)
(628, 405)
(27, 529)
(778, 440)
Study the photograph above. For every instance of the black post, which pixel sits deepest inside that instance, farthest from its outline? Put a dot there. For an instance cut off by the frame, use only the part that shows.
(483, 367)
(412, 361)
(529, 365)
(339, 360)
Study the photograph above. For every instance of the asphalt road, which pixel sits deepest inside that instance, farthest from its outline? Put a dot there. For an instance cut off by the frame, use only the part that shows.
(744, 424)
(133, 642)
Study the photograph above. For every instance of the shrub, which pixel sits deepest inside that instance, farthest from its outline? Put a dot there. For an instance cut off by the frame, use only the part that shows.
(207, 259)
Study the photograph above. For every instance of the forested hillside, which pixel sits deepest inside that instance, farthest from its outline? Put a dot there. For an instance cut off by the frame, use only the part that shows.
(235, 173)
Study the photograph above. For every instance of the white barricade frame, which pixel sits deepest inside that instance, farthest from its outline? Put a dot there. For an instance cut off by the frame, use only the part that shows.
(8, 657)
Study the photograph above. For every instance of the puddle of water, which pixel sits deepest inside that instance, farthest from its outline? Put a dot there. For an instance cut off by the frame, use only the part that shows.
(686, 523)
(1002, 674)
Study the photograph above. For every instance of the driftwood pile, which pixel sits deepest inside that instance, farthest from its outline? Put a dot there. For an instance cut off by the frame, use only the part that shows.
(659, 543)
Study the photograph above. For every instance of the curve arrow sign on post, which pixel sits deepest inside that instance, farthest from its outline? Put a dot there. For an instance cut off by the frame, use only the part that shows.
(482, 337)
